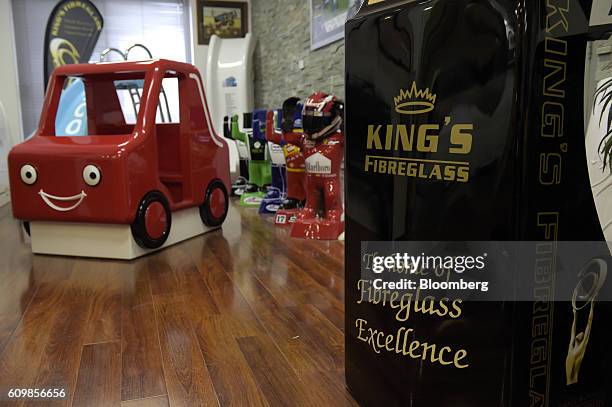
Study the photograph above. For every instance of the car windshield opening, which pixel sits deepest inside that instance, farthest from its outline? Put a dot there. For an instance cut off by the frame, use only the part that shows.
(99, 104)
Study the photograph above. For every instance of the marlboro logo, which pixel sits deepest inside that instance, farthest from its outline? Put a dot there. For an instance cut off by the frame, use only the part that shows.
(318, 164)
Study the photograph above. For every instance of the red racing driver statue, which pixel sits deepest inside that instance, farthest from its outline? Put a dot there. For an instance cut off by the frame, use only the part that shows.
(323, 147)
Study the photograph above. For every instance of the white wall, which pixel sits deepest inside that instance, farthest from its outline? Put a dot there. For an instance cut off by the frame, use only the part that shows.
(9, 95)
(200, 52)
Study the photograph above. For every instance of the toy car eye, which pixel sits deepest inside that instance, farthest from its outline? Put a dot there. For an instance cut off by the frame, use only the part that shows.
(28, 174)
(92, 175)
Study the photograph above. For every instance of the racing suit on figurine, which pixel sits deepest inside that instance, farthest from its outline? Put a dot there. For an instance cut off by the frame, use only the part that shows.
(290, 139)
(321, 218)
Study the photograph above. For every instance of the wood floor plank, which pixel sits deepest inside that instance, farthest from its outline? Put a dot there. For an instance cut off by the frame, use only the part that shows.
(18, 282)
(99, 379)
(226, 296)
(19, 287)
(217, 336)
(215, 329)
(328, 339)
(62, 352)
(302, 350)
(135, 282)
(190, 283)
(142, 373)
(333, 310)
(104, 323)
(187, 379)
(294, 343)
(322, 279)
(281, 326)
(253, 290)
(330, 389)
(161, 276)
(159, 401)
(20, 362)
(295, 280)
(276, 379)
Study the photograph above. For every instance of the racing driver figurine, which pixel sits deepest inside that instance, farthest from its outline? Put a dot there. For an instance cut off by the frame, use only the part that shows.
(322, 216)
(290, 139)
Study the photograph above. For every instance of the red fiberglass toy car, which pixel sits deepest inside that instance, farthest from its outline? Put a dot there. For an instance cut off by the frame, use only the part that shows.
(136, 165)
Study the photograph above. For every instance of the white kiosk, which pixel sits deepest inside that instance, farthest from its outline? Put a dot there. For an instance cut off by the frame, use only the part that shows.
(229, 82)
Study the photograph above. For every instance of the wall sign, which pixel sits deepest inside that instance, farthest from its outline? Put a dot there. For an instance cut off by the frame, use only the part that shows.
(601, 13)
(72, 33)
(327, 18)
(222, 18)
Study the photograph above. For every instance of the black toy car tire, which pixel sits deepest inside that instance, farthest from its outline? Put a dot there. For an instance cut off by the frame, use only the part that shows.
(213, 217)
(141, 230)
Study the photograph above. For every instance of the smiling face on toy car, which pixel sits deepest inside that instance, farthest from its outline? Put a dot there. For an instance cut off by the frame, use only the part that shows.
(91, 176)
(59, 179)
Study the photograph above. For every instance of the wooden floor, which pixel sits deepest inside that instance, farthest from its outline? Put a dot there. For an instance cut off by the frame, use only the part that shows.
(245, 316)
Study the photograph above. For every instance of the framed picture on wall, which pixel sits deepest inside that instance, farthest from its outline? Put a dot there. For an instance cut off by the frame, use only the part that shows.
(227, 19)
(327, 18)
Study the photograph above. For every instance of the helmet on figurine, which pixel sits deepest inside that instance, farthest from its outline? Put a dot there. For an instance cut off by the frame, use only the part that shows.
(322, 115)
(291, 113)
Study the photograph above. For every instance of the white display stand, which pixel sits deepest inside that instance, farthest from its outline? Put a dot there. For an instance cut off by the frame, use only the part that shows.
(105, 240)
(600, 178)
(598, 67)
(229, 82)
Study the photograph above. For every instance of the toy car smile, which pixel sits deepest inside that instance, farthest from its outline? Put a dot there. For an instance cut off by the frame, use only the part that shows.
(48, 199)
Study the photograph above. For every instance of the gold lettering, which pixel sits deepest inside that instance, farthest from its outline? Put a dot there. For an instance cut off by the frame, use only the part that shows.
(402, 134)
(374, 137)
(553, 114)
(461, 138)
(550, 169)
(556, 16)
(459, 356)
(427, 143)
(555, 79)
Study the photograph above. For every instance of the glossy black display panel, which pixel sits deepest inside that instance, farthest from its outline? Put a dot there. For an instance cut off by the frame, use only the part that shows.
(465, 122)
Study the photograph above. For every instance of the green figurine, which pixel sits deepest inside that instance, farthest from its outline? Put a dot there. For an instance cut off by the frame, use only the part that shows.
(260, 169)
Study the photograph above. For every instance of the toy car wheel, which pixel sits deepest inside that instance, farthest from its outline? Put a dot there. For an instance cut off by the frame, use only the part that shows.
(153, 221)
(214, 209)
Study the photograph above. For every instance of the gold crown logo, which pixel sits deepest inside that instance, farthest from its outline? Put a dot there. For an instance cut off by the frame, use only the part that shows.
(414, 101)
